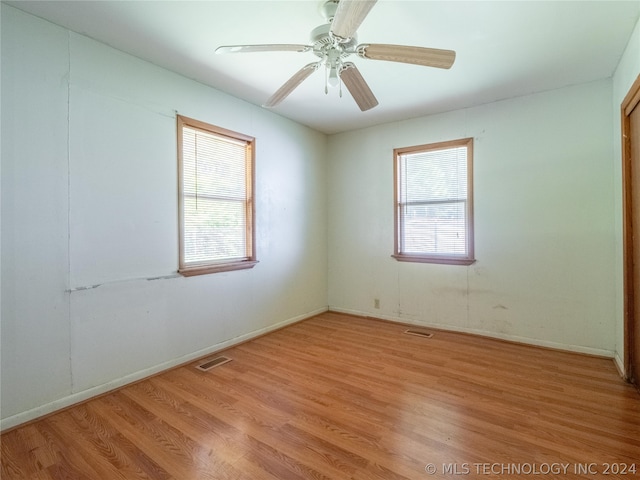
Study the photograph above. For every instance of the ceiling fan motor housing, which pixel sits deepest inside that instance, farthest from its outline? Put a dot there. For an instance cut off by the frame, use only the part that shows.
(320, 36)
(322, 41)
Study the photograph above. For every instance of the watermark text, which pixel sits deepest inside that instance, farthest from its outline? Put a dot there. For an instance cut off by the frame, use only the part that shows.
(539, 469)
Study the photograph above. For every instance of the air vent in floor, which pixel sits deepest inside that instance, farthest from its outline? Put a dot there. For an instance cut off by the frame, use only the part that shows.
(418, 333)
(212, 363)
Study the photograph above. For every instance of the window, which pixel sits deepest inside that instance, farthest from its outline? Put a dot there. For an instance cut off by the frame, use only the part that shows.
(216, 207)
(434, 203)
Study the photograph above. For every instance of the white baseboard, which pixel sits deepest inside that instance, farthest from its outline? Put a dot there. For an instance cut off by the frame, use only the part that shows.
(74, 398)
(620, 365)
(484, 333)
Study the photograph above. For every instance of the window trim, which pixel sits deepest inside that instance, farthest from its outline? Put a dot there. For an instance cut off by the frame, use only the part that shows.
(447, 259)
(242, 263)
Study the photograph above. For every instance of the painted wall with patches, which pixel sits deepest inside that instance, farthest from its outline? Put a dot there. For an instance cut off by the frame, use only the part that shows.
(544, 223)
(90, 297)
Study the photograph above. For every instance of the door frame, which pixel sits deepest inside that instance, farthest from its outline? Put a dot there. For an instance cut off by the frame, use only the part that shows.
(631, 101)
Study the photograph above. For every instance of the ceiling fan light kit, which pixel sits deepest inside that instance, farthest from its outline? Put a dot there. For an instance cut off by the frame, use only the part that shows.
(336, 40)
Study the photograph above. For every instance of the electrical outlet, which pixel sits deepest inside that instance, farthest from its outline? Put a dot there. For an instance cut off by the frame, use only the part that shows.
(376, 303)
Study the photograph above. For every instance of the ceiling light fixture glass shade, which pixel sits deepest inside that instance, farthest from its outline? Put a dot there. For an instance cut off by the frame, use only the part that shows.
(333, 79)
(333, 54)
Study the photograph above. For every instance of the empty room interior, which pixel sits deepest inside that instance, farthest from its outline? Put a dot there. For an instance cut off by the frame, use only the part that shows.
(240, 242)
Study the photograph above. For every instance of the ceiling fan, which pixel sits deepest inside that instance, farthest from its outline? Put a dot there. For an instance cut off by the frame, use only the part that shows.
(336, 40)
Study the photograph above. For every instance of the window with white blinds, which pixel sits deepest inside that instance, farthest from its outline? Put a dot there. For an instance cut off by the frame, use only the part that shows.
(434, 203)
(216, 198)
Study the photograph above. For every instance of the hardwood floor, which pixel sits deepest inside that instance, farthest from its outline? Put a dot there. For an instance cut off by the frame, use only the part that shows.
(341, 397)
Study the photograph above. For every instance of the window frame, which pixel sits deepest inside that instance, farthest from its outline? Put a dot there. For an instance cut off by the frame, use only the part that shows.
(224, 265)
(448, 259)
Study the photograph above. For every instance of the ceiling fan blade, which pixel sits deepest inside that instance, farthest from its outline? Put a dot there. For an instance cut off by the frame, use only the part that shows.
(263, 48)
(357, 87)
(348, 17)
(428, 57)
(291, 84)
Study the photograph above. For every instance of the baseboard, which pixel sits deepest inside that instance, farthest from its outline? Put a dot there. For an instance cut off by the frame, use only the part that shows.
(79, 397)
(484, 333)
(620, 365)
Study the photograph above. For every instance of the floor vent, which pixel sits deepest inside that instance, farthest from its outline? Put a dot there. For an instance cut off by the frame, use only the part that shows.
(419, 333)
(212, 363)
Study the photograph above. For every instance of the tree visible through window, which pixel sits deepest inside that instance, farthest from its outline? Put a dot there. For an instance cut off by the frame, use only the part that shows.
(434, 203)
(216, 198)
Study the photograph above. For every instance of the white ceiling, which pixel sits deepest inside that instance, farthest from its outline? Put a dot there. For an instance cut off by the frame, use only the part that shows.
(504, 49)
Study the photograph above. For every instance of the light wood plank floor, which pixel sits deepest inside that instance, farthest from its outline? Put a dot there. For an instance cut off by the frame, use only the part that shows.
(341, 397)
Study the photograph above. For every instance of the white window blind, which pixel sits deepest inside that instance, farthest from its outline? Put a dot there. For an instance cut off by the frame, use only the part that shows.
(433, 209)
(216, 203)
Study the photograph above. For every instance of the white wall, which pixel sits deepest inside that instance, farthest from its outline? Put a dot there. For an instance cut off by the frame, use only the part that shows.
(89, 215)
(36, 339)
(544, 223)
(626, 73)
